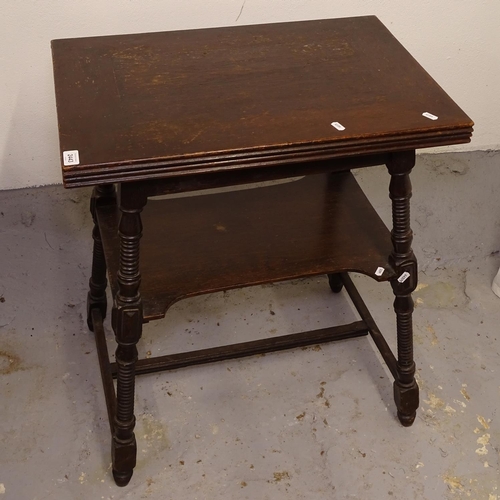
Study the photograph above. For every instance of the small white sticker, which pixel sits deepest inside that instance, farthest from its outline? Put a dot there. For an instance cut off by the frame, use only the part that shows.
(379, 271)
(71, 157)
(338, 126)
(430, 116)
(404, 277)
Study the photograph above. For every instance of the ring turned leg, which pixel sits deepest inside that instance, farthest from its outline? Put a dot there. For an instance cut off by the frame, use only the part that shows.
(403, 260)
(96, 297)
(127, 325)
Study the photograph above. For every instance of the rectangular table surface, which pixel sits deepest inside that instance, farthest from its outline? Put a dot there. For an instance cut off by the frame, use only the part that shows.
(183, 102)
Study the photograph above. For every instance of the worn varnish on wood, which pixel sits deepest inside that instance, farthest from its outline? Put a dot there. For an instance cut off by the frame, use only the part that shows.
(165, 113)
(160, 104)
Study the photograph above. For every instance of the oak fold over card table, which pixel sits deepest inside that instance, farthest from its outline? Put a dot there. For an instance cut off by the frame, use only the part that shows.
(162, 113)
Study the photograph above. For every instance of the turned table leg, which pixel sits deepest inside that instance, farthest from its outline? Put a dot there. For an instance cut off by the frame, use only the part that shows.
(403, 260)
(96, 297)
(127, 324)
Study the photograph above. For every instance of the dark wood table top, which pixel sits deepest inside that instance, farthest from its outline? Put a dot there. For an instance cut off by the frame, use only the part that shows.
(176, 103)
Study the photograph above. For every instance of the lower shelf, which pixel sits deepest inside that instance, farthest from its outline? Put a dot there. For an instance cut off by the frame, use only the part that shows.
(205, 243)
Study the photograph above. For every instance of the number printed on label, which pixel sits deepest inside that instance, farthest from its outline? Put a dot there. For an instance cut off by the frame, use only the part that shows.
(71, 158)
(379, 271)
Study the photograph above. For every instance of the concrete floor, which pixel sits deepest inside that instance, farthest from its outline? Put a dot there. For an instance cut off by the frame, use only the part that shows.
(313, 423)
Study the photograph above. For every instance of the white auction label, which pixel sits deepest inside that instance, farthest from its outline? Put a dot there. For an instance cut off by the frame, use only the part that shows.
(404, 277)
(338, 125)
(71, 158)
(430, 116)
(379, 271)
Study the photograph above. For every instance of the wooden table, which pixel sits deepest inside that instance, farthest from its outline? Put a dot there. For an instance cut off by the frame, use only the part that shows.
(162, 113)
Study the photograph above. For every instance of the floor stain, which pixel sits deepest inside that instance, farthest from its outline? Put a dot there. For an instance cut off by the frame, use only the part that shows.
(434, 339)
(477, 487)
(279, 476)
(434, 401)
(465, 393)
(316, 347)
(440, 295)
(448, 409)
(483, 422)
(321, 395)
(152, 436)
(483, 440)
(453, 482)
(9, 363)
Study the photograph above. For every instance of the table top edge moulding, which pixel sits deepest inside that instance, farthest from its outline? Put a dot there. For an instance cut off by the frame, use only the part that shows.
(268, 96)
